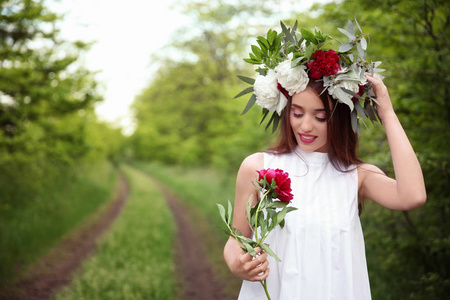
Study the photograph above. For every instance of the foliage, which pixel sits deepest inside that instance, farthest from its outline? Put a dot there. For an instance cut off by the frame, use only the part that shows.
(135, 259)
(187, 114)
(266, 214)
(48, 134)
(412, 38)
(198, 190)
(190, 119)
(29, 232)
(305, 55)
(47, 122)
(409, 249)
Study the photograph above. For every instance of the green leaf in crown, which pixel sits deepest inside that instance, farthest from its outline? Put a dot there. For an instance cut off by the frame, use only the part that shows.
(288, 60)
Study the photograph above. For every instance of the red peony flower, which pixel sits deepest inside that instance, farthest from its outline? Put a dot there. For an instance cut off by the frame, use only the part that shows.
(283, 90)
(325, 64)
(359, 93)
(283, 190)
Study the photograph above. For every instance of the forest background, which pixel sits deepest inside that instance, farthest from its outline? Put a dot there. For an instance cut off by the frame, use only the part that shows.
(50, 136)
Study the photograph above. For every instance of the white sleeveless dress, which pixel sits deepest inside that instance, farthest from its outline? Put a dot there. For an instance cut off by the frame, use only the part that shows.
(322, 244)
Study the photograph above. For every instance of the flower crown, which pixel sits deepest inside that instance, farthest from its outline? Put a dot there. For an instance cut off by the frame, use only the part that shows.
(288, 62)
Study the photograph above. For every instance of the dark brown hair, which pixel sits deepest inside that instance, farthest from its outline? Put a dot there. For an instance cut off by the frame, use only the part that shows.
(341, 139)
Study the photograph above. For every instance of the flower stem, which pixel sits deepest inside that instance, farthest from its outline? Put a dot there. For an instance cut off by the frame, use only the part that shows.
(264, 284)
(258, 209)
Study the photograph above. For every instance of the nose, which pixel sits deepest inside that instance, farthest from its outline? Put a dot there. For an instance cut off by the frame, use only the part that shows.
(307, 124)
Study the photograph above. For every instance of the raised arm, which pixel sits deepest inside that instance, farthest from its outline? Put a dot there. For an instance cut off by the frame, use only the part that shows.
(407, 190)
(241, 264)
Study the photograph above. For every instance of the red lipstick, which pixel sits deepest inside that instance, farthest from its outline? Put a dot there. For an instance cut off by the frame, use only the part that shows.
(307, 138)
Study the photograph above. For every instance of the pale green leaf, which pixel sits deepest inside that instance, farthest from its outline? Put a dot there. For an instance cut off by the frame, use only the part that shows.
(363, 43)
(248, 208)
(230, 212)
(287, 33)
(350, 27)
(222, 212)
(351, 37)
(344, 97)
(345, 47)
(359, 27)
(360, 50)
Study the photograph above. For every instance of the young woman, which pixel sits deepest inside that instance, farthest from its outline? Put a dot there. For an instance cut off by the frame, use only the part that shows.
(321, 245)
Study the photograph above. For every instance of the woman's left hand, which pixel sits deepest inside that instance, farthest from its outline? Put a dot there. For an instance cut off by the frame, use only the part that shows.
(384, 106)
(407, 190)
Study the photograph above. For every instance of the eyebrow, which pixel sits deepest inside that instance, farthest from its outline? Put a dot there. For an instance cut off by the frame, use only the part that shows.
(298, 106)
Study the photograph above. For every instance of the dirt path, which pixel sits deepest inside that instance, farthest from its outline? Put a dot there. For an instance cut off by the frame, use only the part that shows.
(55, 270)
(195, 273)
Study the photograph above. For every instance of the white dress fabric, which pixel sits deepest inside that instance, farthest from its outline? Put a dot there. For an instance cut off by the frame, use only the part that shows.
(321, 246)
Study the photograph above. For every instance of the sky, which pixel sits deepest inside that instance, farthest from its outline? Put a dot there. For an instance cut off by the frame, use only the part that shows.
(121, 54)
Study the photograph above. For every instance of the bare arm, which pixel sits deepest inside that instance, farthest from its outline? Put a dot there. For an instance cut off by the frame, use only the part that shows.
(241, 264)
(407, 190)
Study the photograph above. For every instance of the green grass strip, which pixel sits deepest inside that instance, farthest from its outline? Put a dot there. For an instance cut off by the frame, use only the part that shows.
(135, 259)
(199, 189)
(31, 231)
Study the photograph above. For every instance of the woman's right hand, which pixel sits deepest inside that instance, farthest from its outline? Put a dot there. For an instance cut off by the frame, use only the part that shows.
(244, 266)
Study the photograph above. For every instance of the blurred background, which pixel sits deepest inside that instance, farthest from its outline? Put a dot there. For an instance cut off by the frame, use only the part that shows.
(88, 86)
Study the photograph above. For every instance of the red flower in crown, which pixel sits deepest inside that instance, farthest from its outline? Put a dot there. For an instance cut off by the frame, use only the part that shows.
(283, 189)
(282, 90)
(359, 93)
(325, 64)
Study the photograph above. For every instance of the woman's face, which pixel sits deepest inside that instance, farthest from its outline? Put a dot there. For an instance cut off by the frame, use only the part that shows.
(309, 121)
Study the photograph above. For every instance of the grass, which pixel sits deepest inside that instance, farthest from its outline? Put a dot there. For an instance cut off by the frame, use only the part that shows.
(31, 231)
(135, 259)
(199, 189)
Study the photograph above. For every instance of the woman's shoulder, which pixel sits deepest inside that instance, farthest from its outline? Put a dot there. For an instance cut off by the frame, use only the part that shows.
(254, 161)
(365, 170)
(247, 171)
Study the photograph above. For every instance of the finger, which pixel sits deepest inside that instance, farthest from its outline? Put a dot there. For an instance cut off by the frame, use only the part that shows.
(258, 250)
(247, 257)
(259, 260)
(260, 269)
(262, 276)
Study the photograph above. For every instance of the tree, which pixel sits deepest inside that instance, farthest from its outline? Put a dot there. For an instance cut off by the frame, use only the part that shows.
(44, 97)
(408, 251)
(187, 114)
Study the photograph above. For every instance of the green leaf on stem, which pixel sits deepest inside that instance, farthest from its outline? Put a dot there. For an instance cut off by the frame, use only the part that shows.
(222, 212)
(249, 248)
(278, 204)
(244, 92)
(256, 51)
(270, 252)
(248, 208)
(246, 79)
(280, 216)
(287, 33)
(308, 35)
(230, 212)
(250, 104)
